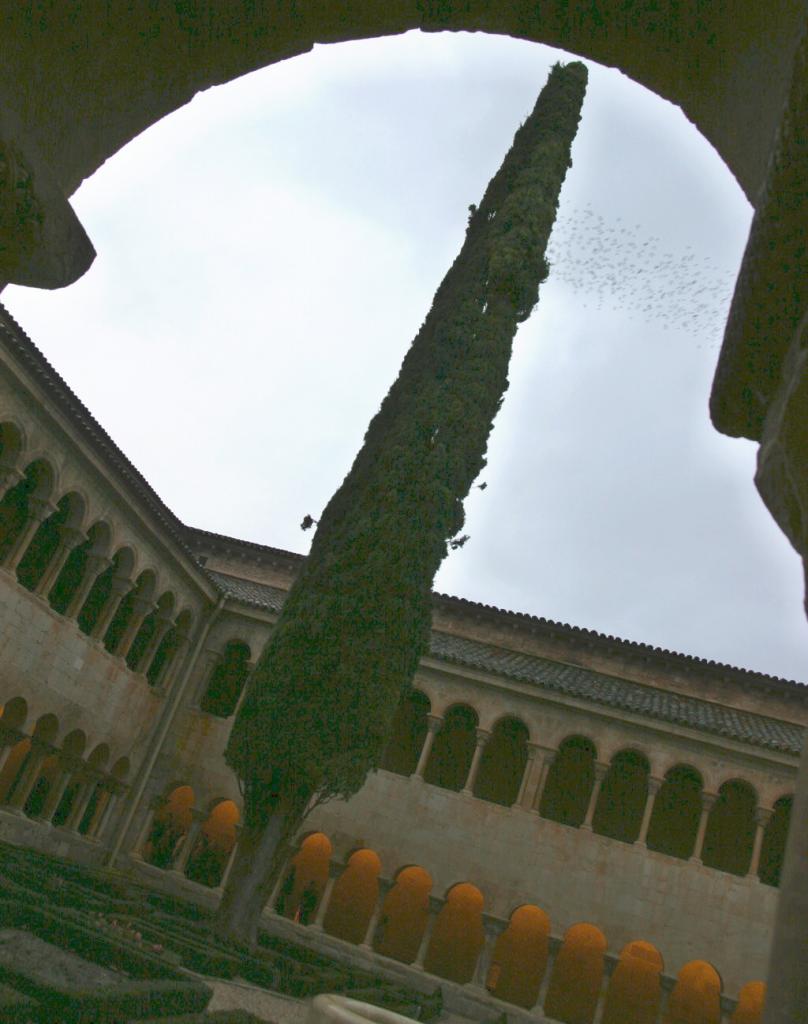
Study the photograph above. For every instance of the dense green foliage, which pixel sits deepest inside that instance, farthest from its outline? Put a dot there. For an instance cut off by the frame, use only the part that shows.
(356, 622)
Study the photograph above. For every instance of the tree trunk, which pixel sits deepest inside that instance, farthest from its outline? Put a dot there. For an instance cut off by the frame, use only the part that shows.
(257, 861)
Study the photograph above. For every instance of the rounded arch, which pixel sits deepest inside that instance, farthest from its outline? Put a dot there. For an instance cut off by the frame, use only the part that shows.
(569, 781)
(46, 729)
(696, 996)
(98, 757)
(407, 734)
(215, 842)
(404, 914)
(520, 957)
(101, 592)
(170, 825)
(623, 793)
(675, 817)
(354, 896)
(634, 990)
(458, 935)
(730, 833)
(751, 1000)
(503, 761)
(73, 572)
(227, 680)
(141, 594)
(18, 502)
(307, 874)
(572, 994)
(773, 848)
(164, 658)
(14, 713)
(120, 769)
(44, 544)
(451, 754)
(74, 743)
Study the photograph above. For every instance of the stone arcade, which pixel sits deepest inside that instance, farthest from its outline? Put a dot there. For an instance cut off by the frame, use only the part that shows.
(77, 83)
(597, 802)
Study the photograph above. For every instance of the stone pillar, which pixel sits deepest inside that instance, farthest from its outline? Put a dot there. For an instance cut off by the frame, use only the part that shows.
(38, 512)
(177, 657)
(206, 662)
(493, 928)
(161, 628)
(198, 818)
(707, 802)
(140, 609)
(653, 788)
(155, 805)
(547, 758)
(10, 476)
(728, 1007)
(334, 871)
(527, 774)
(553, 947)
(667, 984)
(433, 724)
(106, 813)
(69, 538)
(9, 738)
(67, 766)
(30, 773)
(600, 775)
(610, 962)
(95, 565)
(435, 905)
(762, 818)
(120, 586)
(243, 694)
(385, 885)
(483, 736)
(230, 860)
(81, 803)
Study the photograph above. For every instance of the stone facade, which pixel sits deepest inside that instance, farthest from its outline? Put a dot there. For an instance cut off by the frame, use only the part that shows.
(606, 783)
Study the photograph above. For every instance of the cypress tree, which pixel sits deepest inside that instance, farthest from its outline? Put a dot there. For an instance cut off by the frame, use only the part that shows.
(343, 654)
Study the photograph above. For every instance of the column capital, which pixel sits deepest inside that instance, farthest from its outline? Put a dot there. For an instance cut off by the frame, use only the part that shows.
(198, 815)
(40, 509)
(385, 885)
(667, 982)
(493, 926)
(335, 868)
(534, 749)
(434, 722)
(610, 962)
(436, 904)
(728, 1004)
(482, 736)
(654, 784)
(71, 536)
(601, 767)
(763, 816)
(708, 800)
(554, 944)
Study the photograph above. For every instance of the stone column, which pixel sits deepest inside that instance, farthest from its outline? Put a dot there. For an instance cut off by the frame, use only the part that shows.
(547, 758)
(161, 628)
(206, 662)
(69, 538)
(198, 818)
(667, 984)
(176, 659)
(30, 773)
(67, 766)
(385, 885)
(10, 476)
(553, 947)
(9, 738)
(155, 805)
(106, 813)
(120, 586)
(140, 609)
(95, 565)
(653, 788)
(433, 724)
(38, 512)
(81, 803)
(527, 774)
(610, 962)
(243, 694)
(707, 802)
(435, 904)
(600, 775)
(230, 860)
(728, 1006)
(493, 928)
(762, 819)
(483, 736)
(334, 871)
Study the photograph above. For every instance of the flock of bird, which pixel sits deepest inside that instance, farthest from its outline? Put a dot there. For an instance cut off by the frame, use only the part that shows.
(615, 265)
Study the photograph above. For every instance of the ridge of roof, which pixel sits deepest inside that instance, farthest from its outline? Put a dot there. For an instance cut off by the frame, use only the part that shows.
(576, 681)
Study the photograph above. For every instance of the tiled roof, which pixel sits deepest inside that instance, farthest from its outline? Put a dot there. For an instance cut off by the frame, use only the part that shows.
(574, 681)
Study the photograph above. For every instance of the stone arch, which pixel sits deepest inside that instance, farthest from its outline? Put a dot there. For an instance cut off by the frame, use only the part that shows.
(46, 729)
(307, 873)
(677, 809)
(623, 793)
(101, 592)
(520, 957)
(120, 769)
(227, 680)
(503, 761)
(458, 936)
(569, 782)
(751, 1000)
(634, 989)
(773, 849)
(214, 845)
(451, 754)
(16, 504)
(43, 546)
(572, 994)
(169, 827)
(730, 833)
(72, 575)
(354, 896)
(168, 650)
(696, 996)
(14, 713)
(407, 734)
(142, 592)
(404, 914)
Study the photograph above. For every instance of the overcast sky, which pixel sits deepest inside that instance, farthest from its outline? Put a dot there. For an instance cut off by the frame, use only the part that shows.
(267, 253)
